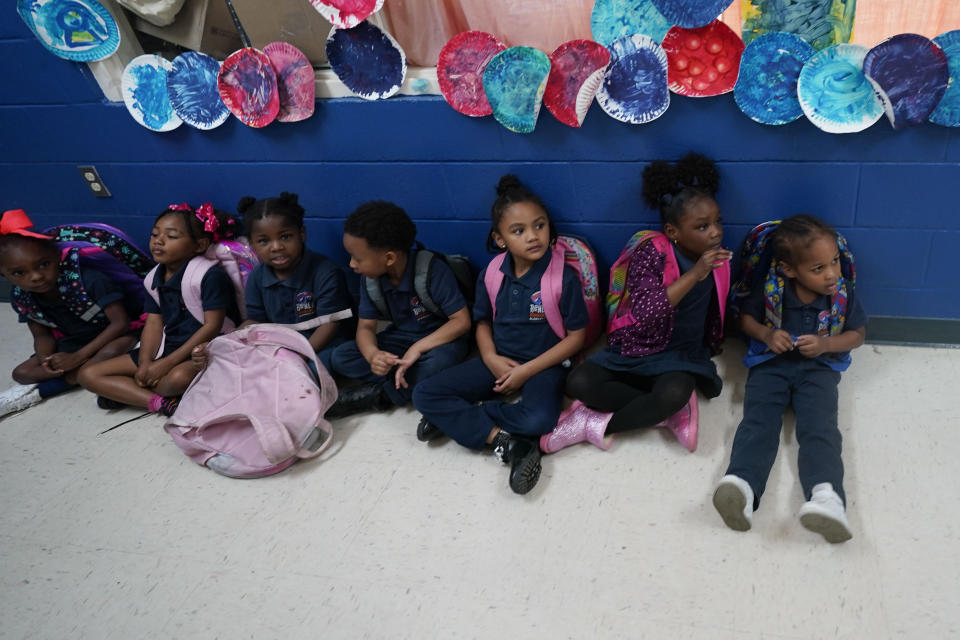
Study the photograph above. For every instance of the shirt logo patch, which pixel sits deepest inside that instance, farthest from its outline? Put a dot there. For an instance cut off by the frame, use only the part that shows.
(536, 307)
(419, 311)
(304, 304)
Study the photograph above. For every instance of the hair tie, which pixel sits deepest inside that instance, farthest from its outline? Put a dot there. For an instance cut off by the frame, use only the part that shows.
(16, 222)
(666, 199)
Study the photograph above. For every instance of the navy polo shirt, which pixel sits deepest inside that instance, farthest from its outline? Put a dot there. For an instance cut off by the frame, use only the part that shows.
(406, 311)
(800, 318)
(316, 287)
(101, 290)
(216, 292)
(690, 315)
(520, 330)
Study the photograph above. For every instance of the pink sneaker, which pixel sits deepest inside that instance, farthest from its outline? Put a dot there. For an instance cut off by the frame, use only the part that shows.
(684, 423)
(576, 424)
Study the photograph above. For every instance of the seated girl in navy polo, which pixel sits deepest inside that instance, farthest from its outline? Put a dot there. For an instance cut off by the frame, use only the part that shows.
(156, 375)
(418, 342)
(519, 352)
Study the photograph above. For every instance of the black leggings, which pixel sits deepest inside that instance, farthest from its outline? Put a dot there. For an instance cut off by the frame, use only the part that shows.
(635, 400)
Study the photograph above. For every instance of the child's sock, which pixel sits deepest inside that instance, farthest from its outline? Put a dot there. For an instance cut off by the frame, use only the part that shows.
(52, 387)
(163, 405)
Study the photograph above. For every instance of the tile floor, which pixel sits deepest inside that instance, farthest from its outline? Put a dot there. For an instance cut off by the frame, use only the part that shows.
(121, 536)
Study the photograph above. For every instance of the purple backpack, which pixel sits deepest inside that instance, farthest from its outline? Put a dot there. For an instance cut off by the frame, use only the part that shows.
(257, 407)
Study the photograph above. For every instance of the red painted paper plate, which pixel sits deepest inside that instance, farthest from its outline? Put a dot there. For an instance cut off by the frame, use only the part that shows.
(703, 61)
(460, 68)
(576, 73)
(295, 81)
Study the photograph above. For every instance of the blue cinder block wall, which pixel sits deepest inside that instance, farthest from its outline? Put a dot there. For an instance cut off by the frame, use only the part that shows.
(894, 194)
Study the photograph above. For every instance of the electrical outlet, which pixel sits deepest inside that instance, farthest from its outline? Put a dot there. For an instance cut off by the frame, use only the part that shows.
(92, 178)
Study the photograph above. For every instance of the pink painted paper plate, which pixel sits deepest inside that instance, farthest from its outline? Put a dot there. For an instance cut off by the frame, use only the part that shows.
(460, 68)
(703, 61)
(296, 87)
(576, 73)
(346, 14)
(247, 82)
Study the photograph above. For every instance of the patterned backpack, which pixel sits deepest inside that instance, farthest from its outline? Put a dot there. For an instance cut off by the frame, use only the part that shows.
(90, 245)
(576, 252)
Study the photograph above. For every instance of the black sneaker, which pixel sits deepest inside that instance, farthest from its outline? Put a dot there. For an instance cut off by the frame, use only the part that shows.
(108, 405)
(427, 431)
(523, 455)
(368, 396)
(168, 406)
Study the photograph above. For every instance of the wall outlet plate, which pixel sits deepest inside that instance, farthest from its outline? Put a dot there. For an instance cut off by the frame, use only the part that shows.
(92, 178)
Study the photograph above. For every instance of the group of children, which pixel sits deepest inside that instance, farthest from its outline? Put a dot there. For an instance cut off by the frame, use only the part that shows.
(802, 322)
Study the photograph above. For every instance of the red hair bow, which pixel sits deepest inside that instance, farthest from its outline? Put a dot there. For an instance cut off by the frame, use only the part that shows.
(16, 222)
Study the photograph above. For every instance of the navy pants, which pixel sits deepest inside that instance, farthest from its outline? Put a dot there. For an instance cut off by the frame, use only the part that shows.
(449, 402)
(346, 360)
(811, 388)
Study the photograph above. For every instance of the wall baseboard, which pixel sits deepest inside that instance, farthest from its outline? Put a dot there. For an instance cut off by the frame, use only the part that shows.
(922, 332)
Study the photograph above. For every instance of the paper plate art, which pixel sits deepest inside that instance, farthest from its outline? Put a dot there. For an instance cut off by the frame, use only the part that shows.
(576, 72)
(910, 75)
(144, 89)
(766, 88)
(833, 92)
(367, 60)
(192, 90)
(78, 30)
(613, 19)
(821, 23)
(691, 14)
(703, 61)
(947, 112)
(460, 68)
(514, 82)
(296, 87)
(634, 87)
(346, 14)
(247, 85)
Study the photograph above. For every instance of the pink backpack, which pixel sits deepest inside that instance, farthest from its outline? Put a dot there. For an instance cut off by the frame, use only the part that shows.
(257, 407)
(568, 250)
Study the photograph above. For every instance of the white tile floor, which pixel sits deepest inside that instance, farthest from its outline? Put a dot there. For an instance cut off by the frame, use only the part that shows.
(121, 536)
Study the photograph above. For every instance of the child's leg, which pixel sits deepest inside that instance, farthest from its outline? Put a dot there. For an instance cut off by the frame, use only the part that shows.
(176, 382)
(819, 439)
(31, 371)
(539, 406)
(113, 379)
(668, 393)
(600, 388)
(448, 401)
(755, 445)
(432, 362)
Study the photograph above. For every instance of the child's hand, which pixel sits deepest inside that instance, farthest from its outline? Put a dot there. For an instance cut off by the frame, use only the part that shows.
(779, 341)
(62, 362)
(512, 381)
(140, 377)
(382, 362)
(811, 346)
(709, 261)
(199, 356)
(156, 371)
(500, 365)
(404, 363)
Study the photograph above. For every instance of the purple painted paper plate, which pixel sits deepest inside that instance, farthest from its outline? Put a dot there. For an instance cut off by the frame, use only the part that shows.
(634, 86)
(248, 86)
(576, 73)
(910, 74)
(144, 89)
(460, 67)
(367, 60)
(295, 81)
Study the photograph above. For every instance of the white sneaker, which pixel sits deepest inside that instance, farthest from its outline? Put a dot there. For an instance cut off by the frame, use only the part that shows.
(733, 499)
(824, 514)
(18, 398)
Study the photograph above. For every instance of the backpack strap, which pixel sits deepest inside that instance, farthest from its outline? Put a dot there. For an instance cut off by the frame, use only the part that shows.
(190, 288)
(551, 287)
(375, 293)
(422, 273)
(492, 279)
(618, 276)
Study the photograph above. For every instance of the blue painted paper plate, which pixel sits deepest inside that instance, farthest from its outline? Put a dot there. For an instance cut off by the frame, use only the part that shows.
(766, 88)
(634, 86)
(144, 88)
(514, 82)
(691, 14)
(78, 30)
(368, 61)
(833, 92)
(910, 74)
(947, 112)
(192, 90)
(821, 23)
(613, 19)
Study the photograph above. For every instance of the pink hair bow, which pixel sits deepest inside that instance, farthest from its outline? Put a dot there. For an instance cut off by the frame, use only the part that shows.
(183, 206)
(209, 219)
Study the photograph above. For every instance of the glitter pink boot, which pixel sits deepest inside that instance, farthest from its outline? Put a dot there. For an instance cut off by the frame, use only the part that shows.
(576, 424)
(684, 423)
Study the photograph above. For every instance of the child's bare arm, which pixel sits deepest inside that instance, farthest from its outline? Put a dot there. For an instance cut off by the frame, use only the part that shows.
(380, 361)
(119, 326)
(323, 334)
(44, 344)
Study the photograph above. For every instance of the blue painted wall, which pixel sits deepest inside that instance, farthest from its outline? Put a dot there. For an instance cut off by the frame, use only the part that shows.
(892, 193)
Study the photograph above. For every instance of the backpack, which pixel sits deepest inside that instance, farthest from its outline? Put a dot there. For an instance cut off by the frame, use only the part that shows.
(576, 252)
(422, 276)
(257, 407)
(236, 257)
(90, 245)
(758, 268)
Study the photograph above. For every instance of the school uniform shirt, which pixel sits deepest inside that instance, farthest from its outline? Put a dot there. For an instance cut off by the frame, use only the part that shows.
(407, 313)
(520, 330)
(76, 331)
(216, 292)
(317, 287)
(800, 318)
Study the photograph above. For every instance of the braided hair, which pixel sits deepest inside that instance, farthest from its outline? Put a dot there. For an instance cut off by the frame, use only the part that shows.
(795, 234)
(671, 188)
(285, 206)
(511, 191)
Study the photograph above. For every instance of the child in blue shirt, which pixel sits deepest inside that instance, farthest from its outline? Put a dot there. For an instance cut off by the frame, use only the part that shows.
(156, 382)
(796, 362)
(519, 352)
(379, 237)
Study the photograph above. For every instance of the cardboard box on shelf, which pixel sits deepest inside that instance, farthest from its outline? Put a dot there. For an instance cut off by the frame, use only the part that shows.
(201, 25)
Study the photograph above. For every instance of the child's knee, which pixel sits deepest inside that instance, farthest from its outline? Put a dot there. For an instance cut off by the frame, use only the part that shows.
(26, 372)
(177, 381)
